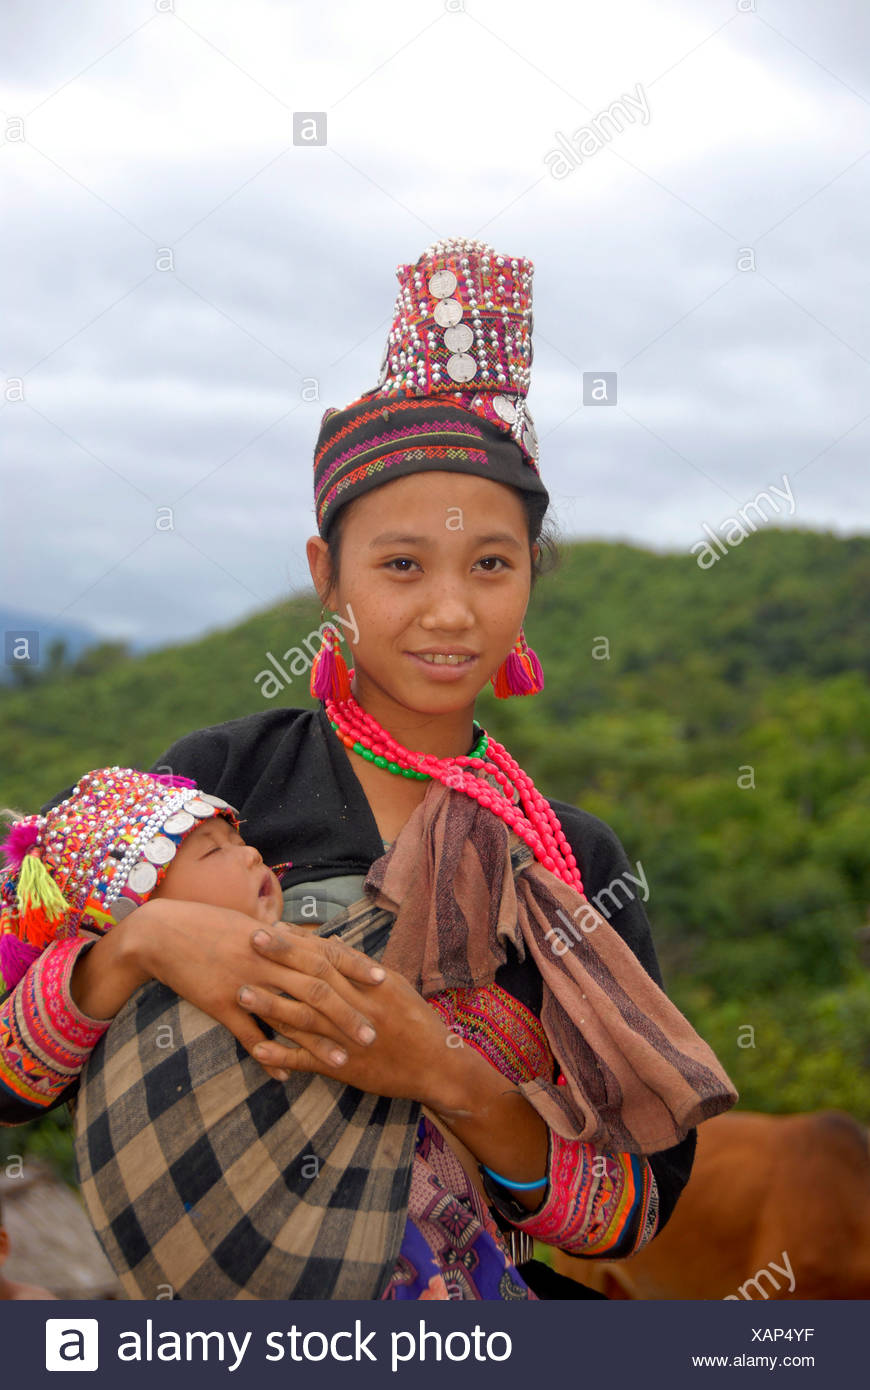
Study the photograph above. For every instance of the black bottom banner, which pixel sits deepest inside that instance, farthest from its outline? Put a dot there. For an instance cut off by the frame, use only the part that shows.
(126, 1344)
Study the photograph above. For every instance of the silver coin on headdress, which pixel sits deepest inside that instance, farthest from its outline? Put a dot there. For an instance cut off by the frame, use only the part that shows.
(159, 850)
(447, 312)
(458, 339)
(530, 434)
(142, 878)
(121, 908)
(461, 366)
(504, 409)
(442, 284)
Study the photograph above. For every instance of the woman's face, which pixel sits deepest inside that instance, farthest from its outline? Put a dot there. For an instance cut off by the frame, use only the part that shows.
(432, 563)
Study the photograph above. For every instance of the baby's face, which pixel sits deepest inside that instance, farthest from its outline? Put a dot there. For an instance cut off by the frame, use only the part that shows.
(215, 866)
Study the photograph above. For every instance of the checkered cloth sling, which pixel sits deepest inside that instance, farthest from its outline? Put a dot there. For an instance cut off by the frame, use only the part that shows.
(204, 1178)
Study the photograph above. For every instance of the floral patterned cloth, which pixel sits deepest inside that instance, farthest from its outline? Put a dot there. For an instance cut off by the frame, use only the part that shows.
(452, 1248)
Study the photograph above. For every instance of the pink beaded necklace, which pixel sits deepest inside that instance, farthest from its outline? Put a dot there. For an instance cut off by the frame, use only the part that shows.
(514, 798)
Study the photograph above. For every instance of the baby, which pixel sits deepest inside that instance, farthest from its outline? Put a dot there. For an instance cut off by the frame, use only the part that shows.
(214, 865)
(120, 838)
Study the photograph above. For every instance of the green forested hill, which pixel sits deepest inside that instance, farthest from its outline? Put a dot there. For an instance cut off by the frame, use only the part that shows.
(718, 719)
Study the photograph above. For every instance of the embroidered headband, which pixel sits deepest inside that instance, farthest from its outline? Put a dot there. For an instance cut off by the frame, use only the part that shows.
(453, 383)
(93, 858)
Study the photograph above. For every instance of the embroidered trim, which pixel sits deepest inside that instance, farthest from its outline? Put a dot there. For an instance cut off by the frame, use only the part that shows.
(651, 1222)
(45, 1039)
(435, 451)
(597, 1203)
(499, 1026)
(415, 431)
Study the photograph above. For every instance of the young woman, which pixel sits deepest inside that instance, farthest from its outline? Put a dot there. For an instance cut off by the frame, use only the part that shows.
(522, 1075)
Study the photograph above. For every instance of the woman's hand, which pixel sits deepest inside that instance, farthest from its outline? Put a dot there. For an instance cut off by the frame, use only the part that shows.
(412, 1049)
(206, 955)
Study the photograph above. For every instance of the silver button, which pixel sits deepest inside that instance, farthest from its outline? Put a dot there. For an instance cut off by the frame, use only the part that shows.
(458, 339)
(177, 824)
(159, 850)
(142, 878)
(530, 441)
(447, 312)
(213, 800)
(199, 807)
(442, 284)
(461, 366)
(504, 409)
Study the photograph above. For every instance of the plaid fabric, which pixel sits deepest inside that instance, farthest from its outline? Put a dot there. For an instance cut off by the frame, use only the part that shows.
(203, 1176)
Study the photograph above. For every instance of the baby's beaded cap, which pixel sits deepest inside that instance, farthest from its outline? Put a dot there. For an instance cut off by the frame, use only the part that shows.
(453, 383)
(95, 857)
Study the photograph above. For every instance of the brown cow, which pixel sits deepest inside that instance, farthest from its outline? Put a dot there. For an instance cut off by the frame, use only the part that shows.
(777, 1206)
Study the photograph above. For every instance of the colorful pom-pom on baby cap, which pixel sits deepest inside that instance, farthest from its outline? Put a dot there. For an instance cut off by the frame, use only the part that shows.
(93, 858)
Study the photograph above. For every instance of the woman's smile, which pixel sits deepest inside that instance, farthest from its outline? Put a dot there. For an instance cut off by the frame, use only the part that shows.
(445, 665)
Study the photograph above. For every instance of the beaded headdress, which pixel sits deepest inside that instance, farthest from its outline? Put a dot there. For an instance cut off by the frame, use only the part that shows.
(93, 858)
(453, 383)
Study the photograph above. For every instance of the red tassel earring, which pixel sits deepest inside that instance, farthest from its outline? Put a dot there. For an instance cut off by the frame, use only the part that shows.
(520, 673)
(329, 678)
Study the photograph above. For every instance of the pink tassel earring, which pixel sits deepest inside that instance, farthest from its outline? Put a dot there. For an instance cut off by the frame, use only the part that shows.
(329, 678)
(520, 673)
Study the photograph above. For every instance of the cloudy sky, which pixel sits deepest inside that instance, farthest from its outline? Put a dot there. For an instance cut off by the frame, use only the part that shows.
(177, 273)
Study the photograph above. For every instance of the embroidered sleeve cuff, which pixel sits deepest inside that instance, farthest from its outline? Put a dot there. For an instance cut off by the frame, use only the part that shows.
(68, 1018)
(595, 1203)
(45, 1039)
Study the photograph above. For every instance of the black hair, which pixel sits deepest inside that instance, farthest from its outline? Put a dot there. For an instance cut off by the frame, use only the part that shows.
(540, 530)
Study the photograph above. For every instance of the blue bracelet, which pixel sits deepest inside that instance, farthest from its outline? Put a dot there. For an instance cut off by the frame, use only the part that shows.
(520, 1186)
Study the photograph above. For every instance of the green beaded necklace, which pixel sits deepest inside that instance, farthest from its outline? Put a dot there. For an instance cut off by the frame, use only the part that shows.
(478, 751)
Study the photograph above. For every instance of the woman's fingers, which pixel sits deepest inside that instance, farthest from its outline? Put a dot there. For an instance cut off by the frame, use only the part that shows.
(312, 1053)
(314, 1007)
(283, 1053)
(284, 941)
(252, 1038)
